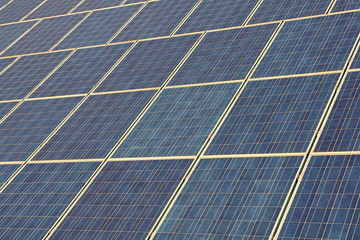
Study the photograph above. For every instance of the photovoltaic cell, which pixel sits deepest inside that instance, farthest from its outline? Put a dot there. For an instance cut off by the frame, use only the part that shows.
(284, 9)
(213, 14)
(5, 62)
(274, 116)
(225, 55)
(81, 71)
(344, 5)
(29, 125)
(95, 127)
(98, 28)
(17, 9)
(38, 195)
(178, 122)
(19, 79)
(232, 198)
(124, 200)
(53, 8)
(149, 23)
(44, 35)
(5, 108)
(311, 45)
(96, 4)
(133, 1)
(9, 33)
(356, 61)
(326, 205)
(6, 171)
(342, 129)
(149, 64)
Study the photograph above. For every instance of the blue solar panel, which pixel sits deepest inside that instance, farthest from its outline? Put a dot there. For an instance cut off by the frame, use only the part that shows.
(5, 62)
(356, 61)
(53, 8)
(81, 71)
(18, 80)
(311, 45)
(274, 116)
(342, 129)
(42, 37)
(233, 198)
(28, 126)
(213, 14)
(178, 122)
(124, 200)
(285, 9)
(39, 194)
(149, 64)
(224, 56)
(98, 28)
(6, 171)
(95, 127)
(326, 205)
(3, 2)
(133, 1)
(344, 5)
(17, 9)
(96, 4)
(149, 23)
(9, 33)
(5, 108)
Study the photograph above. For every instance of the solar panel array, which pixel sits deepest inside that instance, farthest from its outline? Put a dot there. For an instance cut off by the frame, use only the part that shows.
(179, 119)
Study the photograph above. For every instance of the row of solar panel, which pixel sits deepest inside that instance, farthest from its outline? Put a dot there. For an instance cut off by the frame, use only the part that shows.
(100, 27)
(229, 198)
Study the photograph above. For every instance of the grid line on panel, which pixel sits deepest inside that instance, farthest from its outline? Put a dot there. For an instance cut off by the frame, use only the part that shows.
(247, 20)
(335, 153)
(77, 5)
(6, 4)
(297, 75)
(185, 18)
(22, 19)
(330, 7)
(8, 66)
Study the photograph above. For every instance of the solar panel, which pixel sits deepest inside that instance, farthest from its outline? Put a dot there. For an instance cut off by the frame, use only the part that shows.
(17, 9)
(178, 122)
(225, 55)
(81, 71)
(29, 125)
(213, 14)
(9, 33)
(5, 107)
(149, 23)
(342, 130)
(285, 9)
(149, 64)
(344, 5)
(39, 194)
(6, 171)
(53, 8)
(96, 4)
(95, 127)
(326, 203)
(42, 37)
(311, 45)
(232, 198)
(356, 61)
(274, 116)
(4, 2)
(124, 200)
(5, 62)
(18, 80)
(133, 1)
(98, 28)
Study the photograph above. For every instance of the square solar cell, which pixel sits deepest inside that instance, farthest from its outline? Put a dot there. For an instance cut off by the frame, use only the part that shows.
(6, 171)
(29, 125)
(356, 61)
(214, 14)
(232, 198)
(270, 10)
(9, 33)
(5, 62)
(53, 8)
(98, 28)
(342, 129)
(38, 195)
(225, 55)
(311, 45)
(150, 23)
(95, 127)
(81, 71)
(44, 35)
(96, 4)
(326, 205)
(344, 5)
(133, 1)
(19, 79)
(274, 116)
(17, 9)
(149, 64)
(5, 107)
(178, 122)
(124, 201)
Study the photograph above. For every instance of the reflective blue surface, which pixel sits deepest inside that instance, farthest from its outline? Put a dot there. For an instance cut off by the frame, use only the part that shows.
(53, 8)
(17, 9)
(356, 61)
(9, 33)
(5, 62)
(95, 4)
(6, 171)
(344, 5)
(5, 108)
